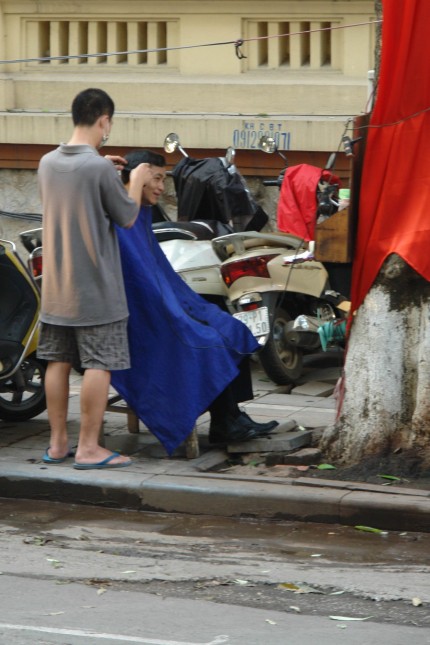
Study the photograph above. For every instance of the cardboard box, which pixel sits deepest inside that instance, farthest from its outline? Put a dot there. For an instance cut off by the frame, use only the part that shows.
(333, 238)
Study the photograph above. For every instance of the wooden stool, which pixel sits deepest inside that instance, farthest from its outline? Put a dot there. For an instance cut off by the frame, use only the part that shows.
(117, 404)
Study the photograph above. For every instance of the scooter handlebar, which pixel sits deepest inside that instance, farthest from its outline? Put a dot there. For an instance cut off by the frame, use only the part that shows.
(271, 182)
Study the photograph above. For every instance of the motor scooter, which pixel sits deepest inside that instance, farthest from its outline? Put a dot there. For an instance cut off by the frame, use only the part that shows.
(280, 291)
(22, 374)
(213, 200)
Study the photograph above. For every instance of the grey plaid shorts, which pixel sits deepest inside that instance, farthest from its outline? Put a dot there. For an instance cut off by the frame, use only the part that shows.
(102, 347)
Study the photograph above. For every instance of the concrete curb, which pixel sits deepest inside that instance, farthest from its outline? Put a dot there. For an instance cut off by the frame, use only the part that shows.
(154, 483)
(301, 499)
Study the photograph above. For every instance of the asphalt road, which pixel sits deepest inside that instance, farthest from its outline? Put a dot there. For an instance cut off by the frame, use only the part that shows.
(81, 575)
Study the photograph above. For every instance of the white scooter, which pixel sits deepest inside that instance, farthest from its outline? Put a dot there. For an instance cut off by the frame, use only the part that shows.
(281, 292)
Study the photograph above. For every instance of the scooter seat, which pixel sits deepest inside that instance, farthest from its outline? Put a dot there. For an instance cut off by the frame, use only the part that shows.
(19, 302)
(196, 230)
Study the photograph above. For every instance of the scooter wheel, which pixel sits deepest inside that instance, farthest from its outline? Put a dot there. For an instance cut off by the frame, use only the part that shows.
(19, 403)
(282, 362)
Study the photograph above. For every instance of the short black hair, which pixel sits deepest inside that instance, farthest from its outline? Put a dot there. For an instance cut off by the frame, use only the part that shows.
(137, 157)
(89, 105)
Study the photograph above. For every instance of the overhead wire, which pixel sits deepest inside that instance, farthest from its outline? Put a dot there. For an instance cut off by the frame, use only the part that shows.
(236, 43)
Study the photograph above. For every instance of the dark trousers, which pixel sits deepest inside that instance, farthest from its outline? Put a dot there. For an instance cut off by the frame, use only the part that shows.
(240, 389)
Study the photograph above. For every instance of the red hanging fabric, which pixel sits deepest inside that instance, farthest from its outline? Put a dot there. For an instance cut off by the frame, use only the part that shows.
(297, 205)
(394, 214)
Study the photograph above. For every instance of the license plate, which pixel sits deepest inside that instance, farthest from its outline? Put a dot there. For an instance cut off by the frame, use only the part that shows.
(257, 320)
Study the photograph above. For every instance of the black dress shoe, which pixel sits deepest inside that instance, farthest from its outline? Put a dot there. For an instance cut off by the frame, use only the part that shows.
(231, 430)
(262, 429)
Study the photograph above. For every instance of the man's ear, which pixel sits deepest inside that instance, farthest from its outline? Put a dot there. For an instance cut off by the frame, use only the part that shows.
(104, 120)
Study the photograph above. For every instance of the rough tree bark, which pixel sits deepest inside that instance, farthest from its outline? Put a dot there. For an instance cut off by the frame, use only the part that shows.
(385, 391)
(386, 387)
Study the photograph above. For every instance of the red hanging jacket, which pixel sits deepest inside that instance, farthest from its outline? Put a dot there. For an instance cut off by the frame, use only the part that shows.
(297, 206)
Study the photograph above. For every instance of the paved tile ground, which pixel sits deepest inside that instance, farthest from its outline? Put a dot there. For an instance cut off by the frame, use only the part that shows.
(27, 441)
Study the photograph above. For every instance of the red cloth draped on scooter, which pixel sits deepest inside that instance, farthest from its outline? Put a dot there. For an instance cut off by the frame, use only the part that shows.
(395, 186)
(297, 206)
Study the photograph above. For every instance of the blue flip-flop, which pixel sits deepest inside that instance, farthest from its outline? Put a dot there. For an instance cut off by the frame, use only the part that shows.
(106, 463)
(47, 459)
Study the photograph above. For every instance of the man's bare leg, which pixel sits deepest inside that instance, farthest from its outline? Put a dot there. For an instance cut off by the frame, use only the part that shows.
(57, 399)
(94, 396)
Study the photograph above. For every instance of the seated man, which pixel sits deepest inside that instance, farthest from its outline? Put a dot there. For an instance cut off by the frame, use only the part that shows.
(187, 354)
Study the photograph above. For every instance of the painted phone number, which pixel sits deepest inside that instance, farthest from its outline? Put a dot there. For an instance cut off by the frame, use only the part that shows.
(249, 138)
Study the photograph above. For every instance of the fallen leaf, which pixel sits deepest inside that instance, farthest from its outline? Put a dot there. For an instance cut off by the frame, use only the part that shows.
(345, 618)
(307, 589)
(391, 478)
(326, 467)
(297, 609)
(370, 529)
(55, 563)
(417, 602)
(37, 540)
(288, 585)
(209, 583)
(98, 582)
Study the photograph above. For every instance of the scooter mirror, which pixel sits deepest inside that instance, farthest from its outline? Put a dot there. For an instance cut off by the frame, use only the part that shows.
(267, 144)
(171, 142)
(331, 161)
(230, 155)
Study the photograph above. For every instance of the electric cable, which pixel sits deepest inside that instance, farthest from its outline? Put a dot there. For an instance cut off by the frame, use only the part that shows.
(33, 217)
(236, 43)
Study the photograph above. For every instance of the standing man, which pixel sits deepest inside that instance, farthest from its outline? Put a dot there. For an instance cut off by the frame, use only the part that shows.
(84, 310)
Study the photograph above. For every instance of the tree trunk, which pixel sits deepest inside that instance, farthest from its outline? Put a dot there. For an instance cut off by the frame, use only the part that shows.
(385, 390)
(378, 40)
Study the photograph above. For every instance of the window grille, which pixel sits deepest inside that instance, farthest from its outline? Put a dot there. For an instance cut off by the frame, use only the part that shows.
(309, 46)
(66, 42)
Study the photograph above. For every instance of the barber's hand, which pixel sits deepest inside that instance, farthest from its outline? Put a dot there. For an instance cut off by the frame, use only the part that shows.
(118, 162)
(142, 174)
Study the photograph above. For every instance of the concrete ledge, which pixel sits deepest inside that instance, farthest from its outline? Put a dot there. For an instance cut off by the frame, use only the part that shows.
(326, 502)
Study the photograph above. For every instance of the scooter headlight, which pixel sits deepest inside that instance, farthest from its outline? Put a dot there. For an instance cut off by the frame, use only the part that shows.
(301, 322)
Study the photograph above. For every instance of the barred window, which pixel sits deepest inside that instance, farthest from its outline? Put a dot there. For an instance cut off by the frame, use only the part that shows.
(293, 44)
(70, 43)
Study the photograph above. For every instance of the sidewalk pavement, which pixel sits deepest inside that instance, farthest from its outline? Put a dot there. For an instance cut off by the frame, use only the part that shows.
(157, 483)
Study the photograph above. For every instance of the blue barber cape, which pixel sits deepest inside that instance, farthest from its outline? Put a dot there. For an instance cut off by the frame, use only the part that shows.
(184, 350)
